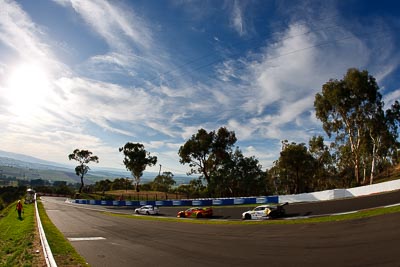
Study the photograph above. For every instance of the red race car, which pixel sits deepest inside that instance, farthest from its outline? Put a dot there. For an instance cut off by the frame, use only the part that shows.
(196, 212)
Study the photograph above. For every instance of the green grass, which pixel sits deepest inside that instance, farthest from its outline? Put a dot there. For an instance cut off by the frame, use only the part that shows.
(17, 237)
(63, 252)
(320, 219)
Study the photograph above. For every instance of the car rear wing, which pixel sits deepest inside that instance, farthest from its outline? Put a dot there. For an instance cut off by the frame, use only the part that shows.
(283, 204)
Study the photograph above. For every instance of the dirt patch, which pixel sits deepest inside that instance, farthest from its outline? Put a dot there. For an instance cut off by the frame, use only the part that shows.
(397, 168)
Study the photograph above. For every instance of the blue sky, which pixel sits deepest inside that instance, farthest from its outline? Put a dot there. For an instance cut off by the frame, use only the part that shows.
(97, 74)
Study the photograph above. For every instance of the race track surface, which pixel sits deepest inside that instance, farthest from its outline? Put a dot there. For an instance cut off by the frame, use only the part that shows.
(133, 242)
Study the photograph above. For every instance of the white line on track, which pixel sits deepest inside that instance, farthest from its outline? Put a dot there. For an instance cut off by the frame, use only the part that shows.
(394, 205)
(85, 238)
(344, 213)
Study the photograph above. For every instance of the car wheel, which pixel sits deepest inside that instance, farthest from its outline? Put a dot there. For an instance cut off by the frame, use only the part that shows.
(199, 215)
(247, 216)
(136, 211)
(148, 213)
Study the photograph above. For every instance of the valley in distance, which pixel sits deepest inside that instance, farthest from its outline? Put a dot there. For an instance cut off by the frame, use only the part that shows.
(15, 166)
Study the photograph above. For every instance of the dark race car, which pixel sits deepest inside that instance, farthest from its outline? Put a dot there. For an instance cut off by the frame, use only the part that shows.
(196, 212)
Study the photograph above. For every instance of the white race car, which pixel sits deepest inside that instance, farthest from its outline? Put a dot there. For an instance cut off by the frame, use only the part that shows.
(147, 210)
(265, 212)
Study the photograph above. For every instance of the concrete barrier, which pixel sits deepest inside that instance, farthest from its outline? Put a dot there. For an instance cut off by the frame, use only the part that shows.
(373, 189)
(342, 193)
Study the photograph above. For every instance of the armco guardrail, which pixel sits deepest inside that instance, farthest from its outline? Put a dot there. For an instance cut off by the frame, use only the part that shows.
(50, 262)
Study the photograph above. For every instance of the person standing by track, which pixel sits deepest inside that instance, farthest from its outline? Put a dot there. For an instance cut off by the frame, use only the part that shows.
(19, 209)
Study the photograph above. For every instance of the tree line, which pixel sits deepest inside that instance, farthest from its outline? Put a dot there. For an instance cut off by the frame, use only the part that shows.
(365, 142)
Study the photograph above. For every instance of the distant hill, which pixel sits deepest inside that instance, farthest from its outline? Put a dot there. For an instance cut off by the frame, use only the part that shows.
(24, 167)
(28, 159)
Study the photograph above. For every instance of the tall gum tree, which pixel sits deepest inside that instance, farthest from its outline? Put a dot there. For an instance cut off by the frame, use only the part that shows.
(84, 157)
(383, 131)
(204, 151)
(297, 167)
(346, 107)
(136, 159)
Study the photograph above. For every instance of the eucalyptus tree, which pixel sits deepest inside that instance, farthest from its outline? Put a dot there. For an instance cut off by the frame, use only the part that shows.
(238, 176)
(205, 151)
(194, 189)
(136, 159)
(83, 157)
(163, 182)
(103, 185)
(393, 119)
(383, 133)
(296, 167)
(346, 108)
(324, 163)
(251, 179)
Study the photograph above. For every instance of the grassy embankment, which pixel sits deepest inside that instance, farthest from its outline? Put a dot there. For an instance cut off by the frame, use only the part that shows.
(19, 240)
(17, 237)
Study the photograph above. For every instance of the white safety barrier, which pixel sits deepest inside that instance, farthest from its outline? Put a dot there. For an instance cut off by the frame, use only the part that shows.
(342, 193)
(45, 245)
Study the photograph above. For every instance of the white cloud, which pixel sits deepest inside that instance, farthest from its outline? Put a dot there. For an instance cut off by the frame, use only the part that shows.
(23, 37)
(113, 58)
(266, 157)
(19, 32)
(237, 19)
(243, 131)
(390, 98)
(118, 25)
(104, 102)
(132, 49)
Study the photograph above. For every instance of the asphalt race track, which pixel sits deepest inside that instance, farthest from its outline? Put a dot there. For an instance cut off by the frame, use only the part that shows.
(105, 240)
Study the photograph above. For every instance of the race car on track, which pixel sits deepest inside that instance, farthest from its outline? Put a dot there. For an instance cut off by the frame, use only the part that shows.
(270, 211)
(147, 210)
(196, 212)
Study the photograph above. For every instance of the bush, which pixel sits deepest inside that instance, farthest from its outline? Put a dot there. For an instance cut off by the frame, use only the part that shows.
(10, 194)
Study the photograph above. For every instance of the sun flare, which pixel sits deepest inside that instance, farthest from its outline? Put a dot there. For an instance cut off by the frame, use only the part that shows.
(27, 88)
